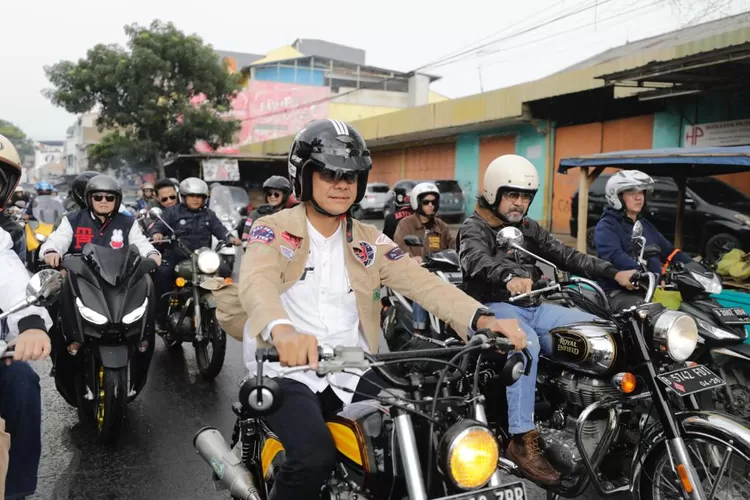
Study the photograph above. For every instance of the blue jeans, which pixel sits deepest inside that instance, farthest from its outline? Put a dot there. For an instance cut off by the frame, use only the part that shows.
(537, 323)
(419, 316)
(21, 408)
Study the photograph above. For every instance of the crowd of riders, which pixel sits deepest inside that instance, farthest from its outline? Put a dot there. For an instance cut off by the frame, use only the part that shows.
(310, 210)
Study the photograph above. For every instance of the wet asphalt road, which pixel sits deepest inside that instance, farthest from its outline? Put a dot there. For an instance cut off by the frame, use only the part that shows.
(154, 459)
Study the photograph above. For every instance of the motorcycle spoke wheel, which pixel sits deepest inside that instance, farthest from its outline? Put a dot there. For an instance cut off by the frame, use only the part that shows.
(210, 352)
(724, 471)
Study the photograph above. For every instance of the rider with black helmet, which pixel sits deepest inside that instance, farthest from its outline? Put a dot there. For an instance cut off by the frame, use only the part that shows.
(101, 224)
(276, 191)
(314, 269)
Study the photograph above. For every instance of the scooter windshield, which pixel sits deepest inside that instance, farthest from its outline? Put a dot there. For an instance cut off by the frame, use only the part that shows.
(47, 209)
(113, 266)
(227, 201)
(445, 257)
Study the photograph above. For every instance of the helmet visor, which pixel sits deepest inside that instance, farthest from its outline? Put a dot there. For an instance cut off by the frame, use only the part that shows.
(358, 160)
(9, 177)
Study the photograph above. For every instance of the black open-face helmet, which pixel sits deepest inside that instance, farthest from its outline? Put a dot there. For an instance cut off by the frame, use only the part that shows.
(78, 190)
(104, 184)
(328, 145)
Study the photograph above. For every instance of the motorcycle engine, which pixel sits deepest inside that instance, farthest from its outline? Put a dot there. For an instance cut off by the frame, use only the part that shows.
(581, 391)
(184, 327)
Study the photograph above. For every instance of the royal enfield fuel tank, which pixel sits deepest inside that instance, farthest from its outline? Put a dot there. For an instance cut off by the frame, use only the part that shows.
(585, 347)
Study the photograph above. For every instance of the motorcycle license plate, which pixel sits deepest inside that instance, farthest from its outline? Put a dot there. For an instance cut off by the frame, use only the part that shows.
(512, 491)
(732, 316)
(686, 381)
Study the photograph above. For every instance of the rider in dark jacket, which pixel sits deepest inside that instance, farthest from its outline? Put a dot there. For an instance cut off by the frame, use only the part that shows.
(492, 275)
(402, 206)
(626, 194)
(276, 191)
(193, 224)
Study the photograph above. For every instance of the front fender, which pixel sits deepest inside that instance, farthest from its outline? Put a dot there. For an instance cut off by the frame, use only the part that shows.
(695, 424)
(116, 356)
(208, 301)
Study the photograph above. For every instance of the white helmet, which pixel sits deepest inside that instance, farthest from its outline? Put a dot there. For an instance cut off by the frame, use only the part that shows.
(420, 190)
(509, 172)
(626, 180)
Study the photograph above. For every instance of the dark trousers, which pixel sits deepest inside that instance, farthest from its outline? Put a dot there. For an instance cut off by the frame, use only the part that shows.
(300, 425)
(21, 408)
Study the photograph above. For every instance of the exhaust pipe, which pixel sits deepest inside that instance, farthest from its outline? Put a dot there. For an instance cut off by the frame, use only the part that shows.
(228, 469)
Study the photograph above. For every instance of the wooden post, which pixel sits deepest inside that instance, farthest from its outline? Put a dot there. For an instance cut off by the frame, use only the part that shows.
(584, 182)
(680, 216)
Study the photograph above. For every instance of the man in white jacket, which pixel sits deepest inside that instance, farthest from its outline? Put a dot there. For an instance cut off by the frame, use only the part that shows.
(20, 394)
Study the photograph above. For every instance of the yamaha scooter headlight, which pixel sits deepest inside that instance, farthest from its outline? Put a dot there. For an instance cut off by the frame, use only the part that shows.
(89, 314)
(136, 313)
(710, 285)
(675, 334)
(208, 261)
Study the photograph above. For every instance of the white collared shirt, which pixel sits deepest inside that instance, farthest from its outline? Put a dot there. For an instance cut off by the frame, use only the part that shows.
(321, 304)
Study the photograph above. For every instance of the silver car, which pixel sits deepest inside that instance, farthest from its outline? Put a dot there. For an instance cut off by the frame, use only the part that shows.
(373, 204)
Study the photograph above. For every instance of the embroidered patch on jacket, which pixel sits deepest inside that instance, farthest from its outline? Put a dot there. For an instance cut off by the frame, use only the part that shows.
(288, 252)
(376, 295)
(394, 254)
(294, 241)
(262, 234)
(365, 252)
(384, 240)
(116, 241)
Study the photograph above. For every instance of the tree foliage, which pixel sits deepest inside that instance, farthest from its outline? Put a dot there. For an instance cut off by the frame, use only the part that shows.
(15, 135)
(145, 93)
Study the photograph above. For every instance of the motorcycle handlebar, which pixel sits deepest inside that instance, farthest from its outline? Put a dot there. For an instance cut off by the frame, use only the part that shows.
(537, 288)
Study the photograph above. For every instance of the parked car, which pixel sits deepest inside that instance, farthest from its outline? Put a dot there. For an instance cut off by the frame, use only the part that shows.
(452, 200)
(373, 204)
(715, 214)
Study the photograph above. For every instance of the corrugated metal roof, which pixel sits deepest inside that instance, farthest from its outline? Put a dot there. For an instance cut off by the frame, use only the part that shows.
(667, 40)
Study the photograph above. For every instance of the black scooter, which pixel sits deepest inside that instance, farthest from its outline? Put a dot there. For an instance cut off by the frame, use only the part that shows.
(103, 349)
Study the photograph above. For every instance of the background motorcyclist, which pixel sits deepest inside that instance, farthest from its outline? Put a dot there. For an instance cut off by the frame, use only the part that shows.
(492, 275)
(43, 188)
(331, 302)
(20, 393)
(18, 195)
(626, 193)
(433, 231)
(101, 224)
(402, 208)
(166, 193)
(276, 192)
(147, 199)
(193, 224)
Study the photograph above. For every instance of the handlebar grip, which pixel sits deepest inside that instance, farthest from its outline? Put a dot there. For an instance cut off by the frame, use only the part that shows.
(538, 285)
(267, 354)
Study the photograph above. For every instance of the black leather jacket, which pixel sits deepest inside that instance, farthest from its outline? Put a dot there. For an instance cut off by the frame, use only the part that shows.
(486, 269)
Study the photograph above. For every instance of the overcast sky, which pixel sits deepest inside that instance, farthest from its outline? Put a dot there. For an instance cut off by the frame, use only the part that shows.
(398, 34)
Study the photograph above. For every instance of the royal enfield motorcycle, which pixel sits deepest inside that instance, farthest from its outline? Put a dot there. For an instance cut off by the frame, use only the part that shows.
(104, 341)
(616, 402)
(191, 313)
(418, 440)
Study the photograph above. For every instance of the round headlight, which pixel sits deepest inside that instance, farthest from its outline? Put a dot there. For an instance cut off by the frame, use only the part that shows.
(469, 453)
(676, 334)
(208, 261)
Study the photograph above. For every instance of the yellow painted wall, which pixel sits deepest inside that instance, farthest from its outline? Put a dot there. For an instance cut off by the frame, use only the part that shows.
(435, 97)
(352, 112)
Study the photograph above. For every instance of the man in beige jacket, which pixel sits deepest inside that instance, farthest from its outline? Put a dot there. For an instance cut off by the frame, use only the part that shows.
(311, 275)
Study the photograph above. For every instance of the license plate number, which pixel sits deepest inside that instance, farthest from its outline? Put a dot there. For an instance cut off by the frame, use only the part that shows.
(686, 381)
(732, 316)
(512, 491)
(454, 276)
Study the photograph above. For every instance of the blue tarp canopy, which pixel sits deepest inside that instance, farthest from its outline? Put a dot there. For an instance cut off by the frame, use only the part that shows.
(670, 162)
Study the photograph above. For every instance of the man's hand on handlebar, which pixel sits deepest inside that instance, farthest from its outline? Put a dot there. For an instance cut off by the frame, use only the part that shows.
(52, 259)
(508, 328)
(31, 345)
(235, 241)
(517, 286)
(294, 348)
(624, 278)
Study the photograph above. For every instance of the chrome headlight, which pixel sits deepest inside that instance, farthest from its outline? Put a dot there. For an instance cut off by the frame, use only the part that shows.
(136, 313)
(89, 314)
(711, 285)
(469, 454)
(40, 237)
(208, 261)
(675, 334)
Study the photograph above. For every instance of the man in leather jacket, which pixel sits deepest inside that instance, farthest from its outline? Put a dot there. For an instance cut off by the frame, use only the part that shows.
(492, 276)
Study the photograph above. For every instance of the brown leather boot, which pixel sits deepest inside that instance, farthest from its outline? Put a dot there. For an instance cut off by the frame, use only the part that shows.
(533, 464)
